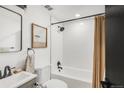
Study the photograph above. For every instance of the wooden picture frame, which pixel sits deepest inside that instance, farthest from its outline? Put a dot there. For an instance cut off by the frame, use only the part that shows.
(39, 36)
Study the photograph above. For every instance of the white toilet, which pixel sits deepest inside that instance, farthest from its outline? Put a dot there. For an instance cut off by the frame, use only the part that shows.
(44, 81)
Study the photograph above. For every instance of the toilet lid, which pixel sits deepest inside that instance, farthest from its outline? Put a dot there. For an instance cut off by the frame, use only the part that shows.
(55, 83)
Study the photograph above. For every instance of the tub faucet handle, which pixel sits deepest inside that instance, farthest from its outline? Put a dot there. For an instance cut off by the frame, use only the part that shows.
(58, 63)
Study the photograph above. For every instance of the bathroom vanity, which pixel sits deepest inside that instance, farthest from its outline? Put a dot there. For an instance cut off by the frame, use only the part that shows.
(20, 80)
(29, 84)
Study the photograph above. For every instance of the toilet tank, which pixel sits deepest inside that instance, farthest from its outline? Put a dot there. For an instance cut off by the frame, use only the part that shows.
(43, 74)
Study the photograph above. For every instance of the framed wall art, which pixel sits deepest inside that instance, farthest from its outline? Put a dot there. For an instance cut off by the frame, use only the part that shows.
(39, 36)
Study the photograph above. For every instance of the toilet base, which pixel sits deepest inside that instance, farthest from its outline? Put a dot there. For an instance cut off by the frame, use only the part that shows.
(53, 83)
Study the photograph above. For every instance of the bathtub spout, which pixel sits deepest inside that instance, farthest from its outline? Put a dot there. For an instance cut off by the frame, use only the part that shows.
(60, 68)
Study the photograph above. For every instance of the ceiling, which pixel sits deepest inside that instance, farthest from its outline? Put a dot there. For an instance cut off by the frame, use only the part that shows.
(66, 12)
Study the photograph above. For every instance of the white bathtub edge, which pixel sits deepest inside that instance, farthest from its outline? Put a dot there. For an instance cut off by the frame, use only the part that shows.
(86, 80)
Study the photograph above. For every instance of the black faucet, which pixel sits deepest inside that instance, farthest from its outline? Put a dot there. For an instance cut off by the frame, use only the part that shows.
(59, 66)
(7, 71)
(0, 74)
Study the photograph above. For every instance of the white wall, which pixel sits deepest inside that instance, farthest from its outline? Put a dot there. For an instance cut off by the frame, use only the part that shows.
(38, 15)
(78, 44)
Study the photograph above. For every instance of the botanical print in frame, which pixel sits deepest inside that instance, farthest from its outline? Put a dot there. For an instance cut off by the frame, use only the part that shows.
(39, 36)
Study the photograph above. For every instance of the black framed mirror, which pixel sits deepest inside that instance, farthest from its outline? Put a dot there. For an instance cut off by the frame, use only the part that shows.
(10, 30)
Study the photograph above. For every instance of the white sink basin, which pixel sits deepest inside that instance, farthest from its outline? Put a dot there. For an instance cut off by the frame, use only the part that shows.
(16, 80)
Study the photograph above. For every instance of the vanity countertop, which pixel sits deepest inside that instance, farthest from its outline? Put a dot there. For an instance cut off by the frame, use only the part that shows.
(16, 80)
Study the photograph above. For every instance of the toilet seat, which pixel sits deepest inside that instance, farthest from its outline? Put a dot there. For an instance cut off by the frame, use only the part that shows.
(55, 83)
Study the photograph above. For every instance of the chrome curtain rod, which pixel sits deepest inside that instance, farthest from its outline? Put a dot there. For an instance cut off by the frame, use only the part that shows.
(78, 18)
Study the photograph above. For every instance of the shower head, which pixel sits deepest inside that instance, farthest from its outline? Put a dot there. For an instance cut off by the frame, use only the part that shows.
(61, 28)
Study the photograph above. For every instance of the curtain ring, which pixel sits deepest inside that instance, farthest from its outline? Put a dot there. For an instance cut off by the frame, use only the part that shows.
(31, 50)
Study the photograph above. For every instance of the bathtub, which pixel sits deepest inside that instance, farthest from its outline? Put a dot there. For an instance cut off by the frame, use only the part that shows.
(75, 78)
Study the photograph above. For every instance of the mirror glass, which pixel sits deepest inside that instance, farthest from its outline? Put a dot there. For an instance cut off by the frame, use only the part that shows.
(10, 30)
